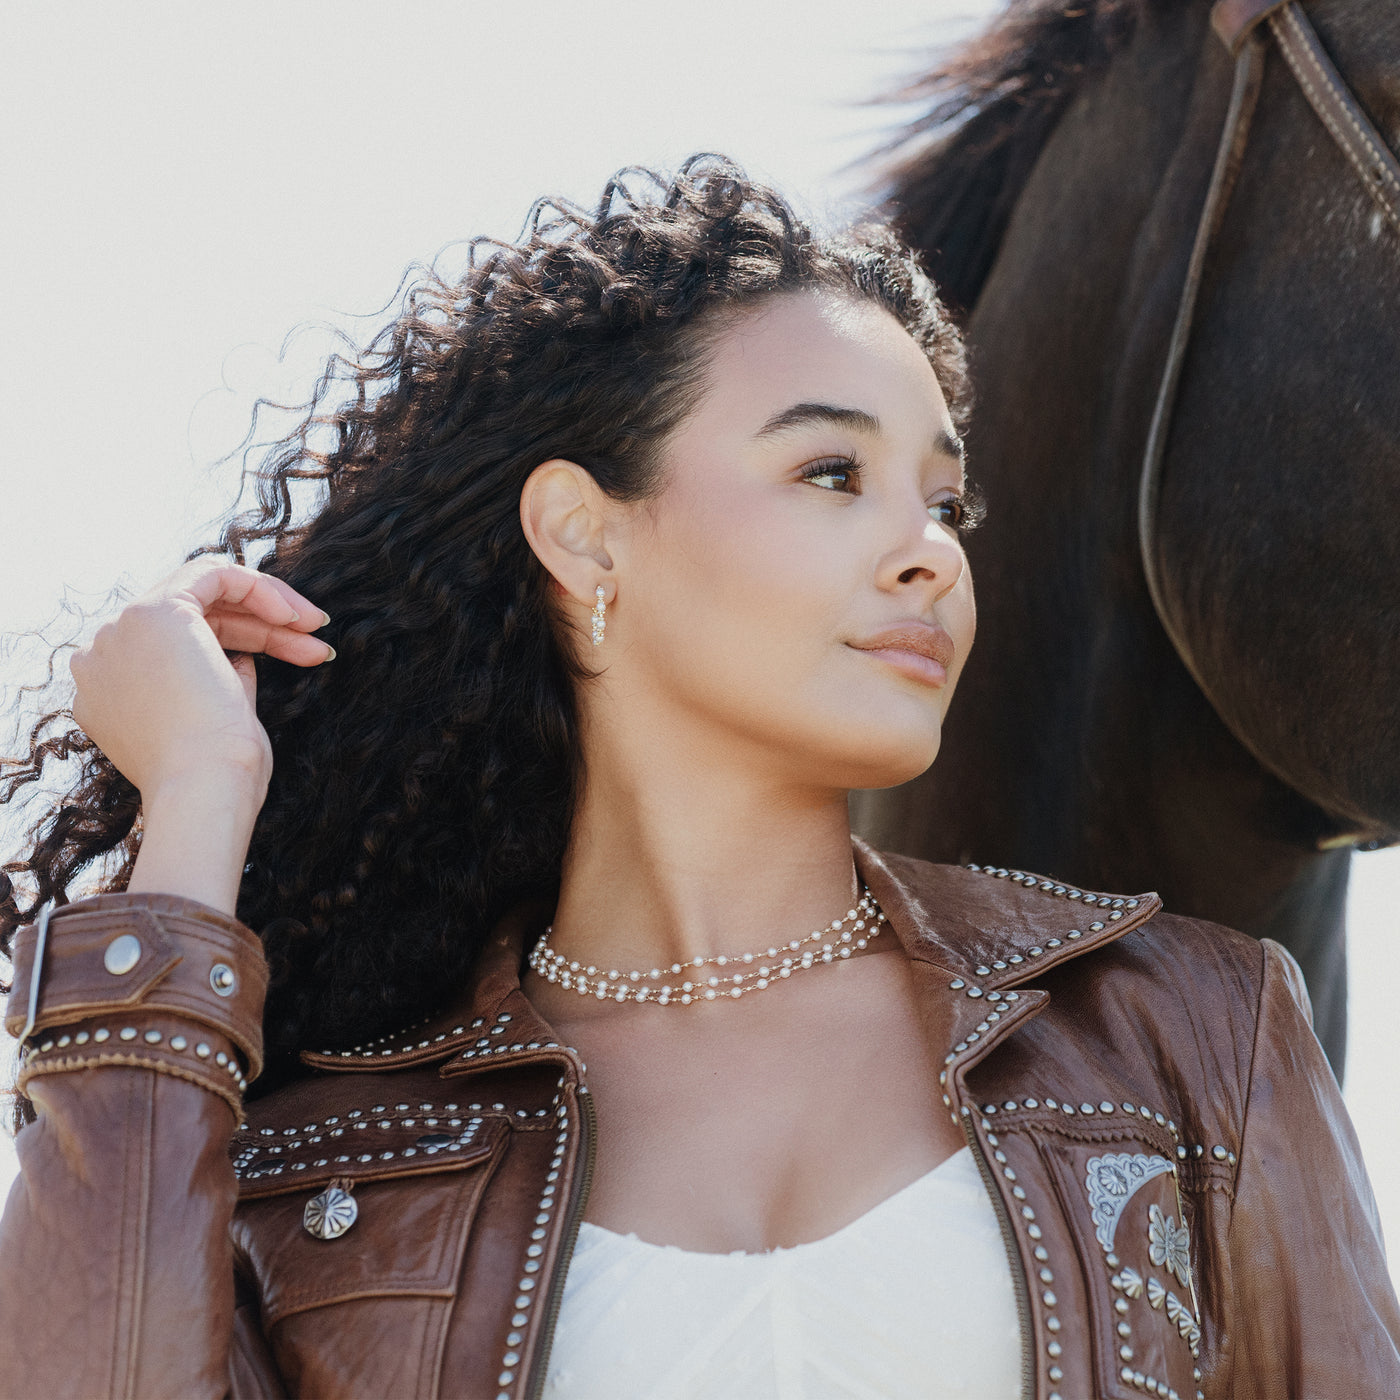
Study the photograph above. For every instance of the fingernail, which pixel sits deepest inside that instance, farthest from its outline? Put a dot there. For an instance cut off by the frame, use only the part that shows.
(325, 617)
(296, 617)
(331, 650)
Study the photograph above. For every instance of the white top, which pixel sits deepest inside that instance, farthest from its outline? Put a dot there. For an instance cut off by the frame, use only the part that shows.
(912, 1301)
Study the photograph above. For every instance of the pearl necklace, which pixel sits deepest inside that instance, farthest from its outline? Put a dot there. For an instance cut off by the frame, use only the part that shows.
(781, 962)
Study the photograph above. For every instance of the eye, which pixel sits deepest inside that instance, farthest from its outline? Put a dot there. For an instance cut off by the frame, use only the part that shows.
(950, 511)
(963, 512)
(845, 470)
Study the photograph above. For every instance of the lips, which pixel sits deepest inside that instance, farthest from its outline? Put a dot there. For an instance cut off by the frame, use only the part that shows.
(920, 651)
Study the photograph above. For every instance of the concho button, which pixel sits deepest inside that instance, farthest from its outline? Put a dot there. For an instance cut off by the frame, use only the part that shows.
(330, 1214)
(123, 953)
(222, 980)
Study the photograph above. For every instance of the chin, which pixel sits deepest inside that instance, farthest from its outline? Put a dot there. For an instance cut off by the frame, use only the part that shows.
(899, 760)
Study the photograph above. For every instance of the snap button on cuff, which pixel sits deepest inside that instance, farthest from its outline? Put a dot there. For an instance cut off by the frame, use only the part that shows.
(222, 980)
(123, 953)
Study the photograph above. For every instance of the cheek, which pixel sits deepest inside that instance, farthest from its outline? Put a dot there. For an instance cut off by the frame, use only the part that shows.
(737, 588)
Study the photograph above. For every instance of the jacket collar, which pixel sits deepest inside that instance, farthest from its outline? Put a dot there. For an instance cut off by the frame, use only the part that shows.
(986, 927)
(989, 926)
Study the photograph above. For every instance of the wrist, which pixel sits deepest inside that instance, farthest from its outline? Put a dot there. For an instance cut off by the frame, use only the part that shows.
(230, 790)
(195, 832)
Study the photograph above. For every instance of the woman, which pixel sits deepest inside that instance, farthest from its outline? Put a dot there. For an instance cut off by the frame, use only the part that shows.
(527, 754)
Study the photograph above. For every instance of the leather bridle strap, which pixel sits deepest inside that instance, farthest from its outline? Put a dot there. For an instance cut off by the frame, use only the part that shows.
(1323, 86)
(1238, 22)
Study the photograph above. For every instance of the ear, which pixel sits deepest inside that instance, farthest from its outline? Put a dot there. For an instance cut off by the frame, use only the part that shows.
(564, 514)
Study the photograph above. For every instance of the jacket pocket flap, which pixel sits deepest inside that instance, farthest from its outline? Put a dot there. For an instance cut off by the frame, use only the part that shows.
(270, 1162)
(408, 1215)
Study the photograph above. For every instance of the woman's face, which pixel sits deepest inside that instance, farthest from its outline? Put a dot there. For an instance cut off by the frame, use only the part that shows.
(810, 506)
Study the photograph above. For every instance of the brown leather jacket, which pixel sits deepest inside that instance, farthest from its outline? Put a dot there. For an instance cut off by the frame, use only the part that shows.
(1180, 1189)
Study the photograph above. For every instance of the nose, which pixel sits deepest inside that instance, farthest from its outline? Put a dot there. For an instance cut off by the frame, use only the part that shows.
(924, 553)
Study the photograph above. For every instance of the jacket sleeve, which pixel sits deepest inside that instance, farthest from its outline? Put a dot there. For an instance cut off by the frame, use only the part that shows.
(1314, 1309)
(116, 1269)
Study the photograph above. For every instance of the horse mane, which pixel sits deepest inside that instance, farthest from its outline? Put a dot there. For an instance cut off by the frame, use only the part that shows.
(953, 175)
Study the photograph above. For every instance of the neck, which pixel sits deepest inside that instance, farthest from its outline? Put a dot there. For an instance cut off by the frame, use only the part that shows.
(677, 860)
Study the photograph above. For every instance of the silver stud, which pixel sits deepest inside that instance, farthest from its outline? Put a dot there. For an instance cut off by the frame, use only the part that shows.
(123, 953)
(222, 980)
(178, 1042)
(127, 1033)
(1218, 1153)
(202, 1050)
(153, 1037)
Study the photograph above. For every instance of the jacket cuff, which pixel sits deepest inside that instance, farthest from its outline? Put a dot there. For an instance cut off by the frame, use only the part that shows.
(164, 968)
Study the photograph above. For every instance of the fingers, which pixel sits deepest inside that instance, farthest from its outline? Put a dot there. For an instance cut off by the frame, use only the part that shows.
(233, 587)
(239, 631)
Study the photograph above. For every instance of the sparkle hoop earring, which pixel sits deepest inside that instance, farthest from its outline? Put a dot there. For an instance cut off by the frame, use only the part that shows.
(597, 616)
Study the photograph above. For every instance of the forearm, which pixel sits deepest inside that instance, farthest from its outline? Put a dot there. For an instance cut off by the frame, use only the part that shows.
(194, 837)
(115, 1272)
(116, 1275)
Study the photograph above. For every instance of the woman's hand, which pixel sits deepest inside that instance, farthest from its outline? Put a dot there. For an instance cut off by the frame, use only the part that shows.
(156, 693)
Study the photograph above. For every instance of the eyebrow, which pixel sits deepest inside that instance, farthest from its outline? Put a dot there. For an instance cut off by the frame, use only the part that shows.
(802, 415)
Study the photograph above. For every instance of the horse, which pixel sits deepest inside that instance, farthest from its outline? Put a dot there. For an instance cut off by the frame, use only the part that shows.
(1177, 263)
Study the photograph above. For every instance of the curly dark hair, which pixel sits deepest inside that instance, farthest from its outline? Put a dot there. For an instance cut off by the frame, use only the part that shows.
(426, 780)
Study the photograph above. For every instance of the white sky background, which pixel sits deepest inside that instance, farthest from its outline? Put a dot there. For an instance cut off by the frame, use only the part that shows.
(184, 185)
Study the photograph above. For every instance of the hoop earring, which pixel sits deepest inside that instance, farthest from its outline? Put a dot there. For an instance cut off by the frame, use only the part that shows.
(597, 617)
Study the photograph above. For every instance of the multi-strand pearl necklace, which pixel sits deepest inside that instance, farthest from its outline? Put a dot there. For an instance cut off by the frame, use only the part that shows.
(760, 970)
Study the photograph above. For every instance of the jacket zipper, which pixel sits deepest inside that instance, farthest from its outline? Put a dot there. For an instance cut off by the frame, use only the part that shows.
(589, 1125)
(1018, 1273)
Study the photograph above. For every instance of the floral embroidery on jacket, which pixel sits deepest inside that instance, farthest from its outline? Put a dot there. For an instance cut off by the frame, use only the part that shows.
(1169, 1244)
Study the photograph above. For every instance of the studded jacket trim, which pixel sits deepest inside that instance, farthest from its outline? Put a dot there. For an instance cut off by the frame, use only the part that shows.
(1180, 1190)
